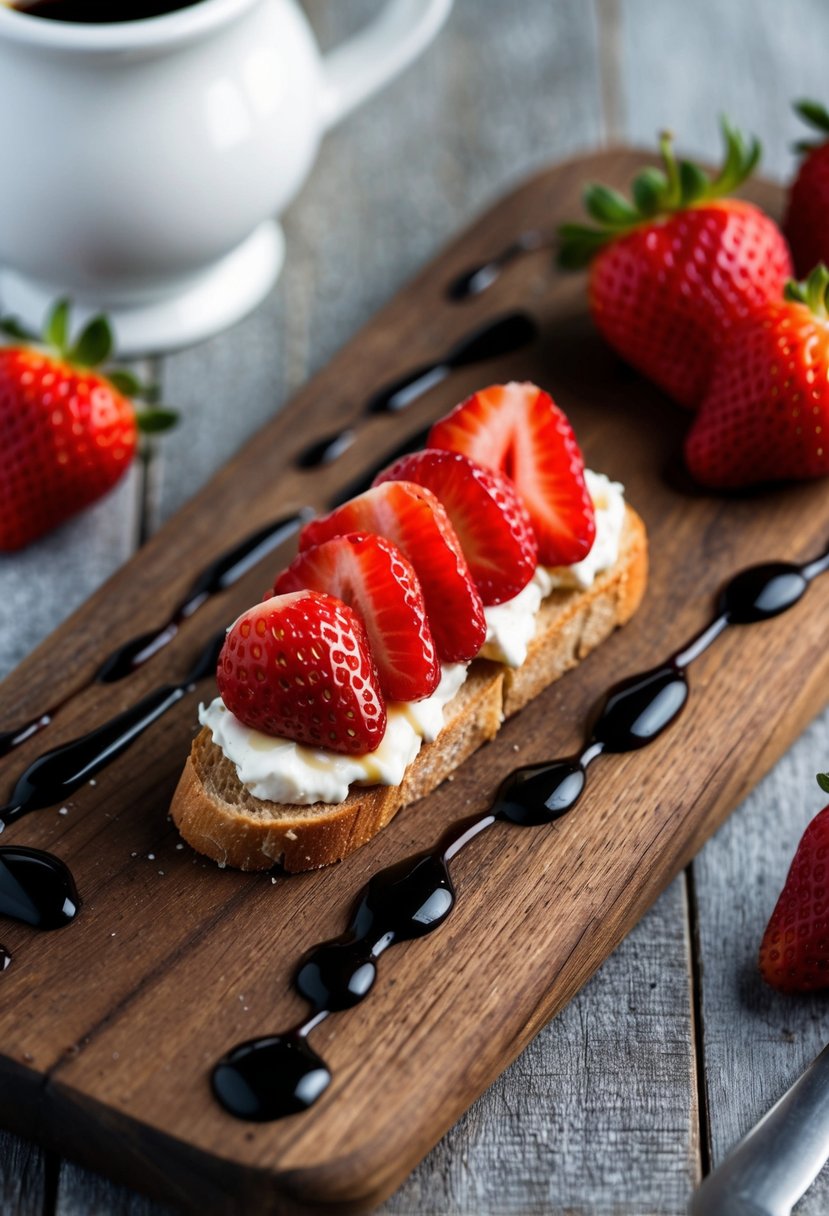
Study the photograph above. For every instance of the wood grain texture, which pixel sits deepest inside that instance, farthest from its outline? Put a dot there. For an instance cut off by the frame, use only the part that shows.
(22, 1177)
(758, 55)
(597, 1114)
(756, 1041)
(748, 58)
(156, 930)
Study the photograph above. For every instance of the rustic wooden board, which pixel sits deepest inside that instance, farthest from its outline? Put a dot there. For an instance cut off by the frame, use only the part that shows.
(108, 1028)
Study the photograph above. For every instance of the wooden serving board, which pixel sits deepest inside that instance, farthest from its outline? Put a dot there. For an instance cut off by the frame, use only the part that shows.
(109, 1027)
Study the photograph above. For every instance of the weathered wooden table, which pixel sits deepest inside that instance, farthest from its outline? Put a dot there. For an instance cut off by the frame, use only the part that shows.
(675, 1047)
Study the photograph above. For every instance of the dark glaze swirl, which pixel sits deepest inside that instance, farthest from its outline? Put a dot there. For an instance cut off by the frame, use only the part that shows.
(280, 1074)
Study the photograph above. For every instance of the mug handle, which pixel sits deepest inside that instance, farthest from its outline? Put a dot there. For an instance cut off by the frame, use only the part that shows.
(378, 53)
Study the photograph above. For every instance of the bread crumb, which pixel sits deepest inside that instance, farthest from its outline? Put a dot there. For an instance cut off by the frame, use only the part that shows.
(64, 810)
(290, 834)
(151, 857)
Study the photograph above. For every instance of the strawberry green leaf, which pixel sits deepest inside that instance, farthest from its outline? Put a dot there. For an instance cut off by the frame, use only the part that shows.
(127, 382)
(94, 345)
(156, 420)
(813, 291)
(609, 207)
(823, 782)
(56, 333)
(693, 182)
(13, 328)
(648, 190)
(656, 192)
(578, 244)
(813, 113)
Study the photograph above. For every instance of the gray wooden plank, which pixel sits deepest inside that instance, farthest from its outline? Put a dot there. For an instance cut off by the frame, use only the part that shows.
(22, 1178)
(756, 1041)
(684, 64)
(39, 587)
(681, 66)
(82, 1192)
(594, 1116)
(42, 584)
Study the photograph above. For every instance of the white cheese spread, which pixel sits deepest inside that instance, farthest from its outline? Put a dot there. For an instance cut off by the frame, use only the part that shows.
(279, 770)
(510, 627)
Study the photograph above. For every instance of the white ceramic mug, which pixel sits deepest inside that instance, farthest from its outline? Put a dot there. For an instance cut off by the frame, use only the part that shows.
(143, 162)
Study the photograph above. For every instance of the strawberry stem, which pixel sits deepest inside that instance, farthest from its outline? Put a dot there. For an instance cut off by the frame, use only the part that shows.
(672, 196)
(655, 192)
(56, 330)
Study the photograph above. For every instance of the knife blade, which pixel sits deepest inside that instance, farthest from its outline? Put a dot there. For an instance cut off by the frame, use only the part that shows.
(776, 1163)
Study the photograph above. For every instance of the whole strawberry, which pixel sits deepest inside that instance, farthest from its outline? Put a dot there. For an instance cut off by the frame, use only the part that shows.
(674, 269)
(299, 666)
(794, 954)
(806, 224)
(765, 416)
(68, 433)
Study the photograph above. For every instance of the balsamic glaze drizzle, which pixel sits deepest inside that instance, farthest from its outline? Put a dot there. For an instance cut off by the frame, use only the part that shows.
(501, 336)
(37, 889)
(58, 773)
(222, 573)
(280, 1074)
(478, 279)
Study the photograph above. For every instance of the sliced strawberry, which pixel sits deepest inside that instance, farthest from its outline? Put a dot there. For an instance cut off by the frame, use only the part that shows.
(413, 519)
(483, 506)
(519, 429)
(299, 667)
(372, 576)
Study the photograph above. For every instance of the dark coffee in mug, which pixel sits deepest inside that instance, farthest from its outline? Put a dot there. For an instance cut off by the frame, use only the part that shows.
(99, 12)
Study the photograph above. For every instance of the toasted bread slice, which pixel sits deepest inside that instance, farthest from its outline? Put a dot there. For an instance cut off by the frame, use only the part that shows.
(219, 817)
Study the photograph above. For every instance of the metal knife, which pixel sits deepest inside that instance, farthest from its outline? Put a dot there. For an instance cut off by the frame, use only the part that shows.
(779, 1159)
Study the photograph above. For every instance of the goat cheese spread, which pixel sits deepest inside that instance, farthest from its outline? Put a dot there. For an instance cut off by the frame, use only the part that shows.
(279, 770)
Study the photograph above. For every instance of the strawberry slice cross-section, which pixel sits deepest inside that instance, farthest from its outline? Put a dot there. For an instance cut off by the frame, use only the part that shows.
(519, 429)
(372, 576)
(412, 519)
(492, 524)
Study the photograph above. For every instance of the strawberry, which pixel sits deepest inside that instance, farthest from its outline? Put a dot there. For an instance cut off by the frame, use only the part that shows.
(765, 416)
(489, 518)
(371, 575)
(519, 430)
(67, 433)
(805, 223)
(299, 667)
(672, 271)
(794, 954)
(413, 519)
